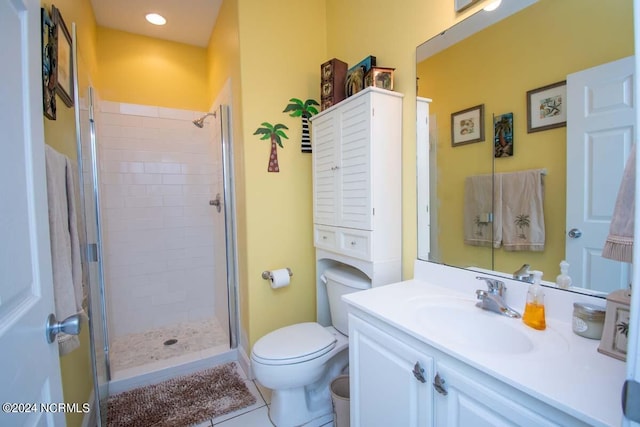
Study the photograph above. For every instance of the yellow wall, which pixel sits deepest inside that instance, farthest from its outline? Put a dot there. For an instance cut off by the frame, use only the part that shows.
(573, 45)
(143, 70)
(223, 64)
(282, 47)
(75, 367)
(358, 28)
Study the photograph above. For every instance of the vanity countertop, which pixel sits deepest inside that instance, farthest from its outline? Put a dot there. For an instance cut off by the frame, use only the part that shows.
(562, 369)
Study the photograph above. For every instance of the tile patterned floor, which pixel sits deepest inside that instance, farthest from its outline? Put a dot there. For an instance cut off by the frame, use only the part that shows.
(139, 349)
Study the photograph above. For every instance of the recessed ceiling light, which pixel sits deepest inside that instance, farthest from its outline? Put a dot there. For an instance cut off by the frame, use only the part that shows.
(492, 5)
(156, 19)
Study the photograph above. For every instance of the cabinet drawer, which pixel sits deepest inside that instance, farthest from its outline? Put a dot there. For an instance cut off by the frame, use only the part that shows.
(355, 243)
(325, 238)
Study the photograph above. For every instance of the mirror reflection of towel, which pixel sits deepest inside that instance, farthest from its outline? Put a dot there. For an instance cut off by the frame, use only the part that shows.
(522, 211)
(478, 205)
(619, 243)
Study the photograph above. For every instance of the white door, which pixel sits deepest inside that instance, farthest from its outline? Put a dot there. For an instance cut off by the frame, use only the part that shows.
(423, 196)
(600, 132)
(30, 372)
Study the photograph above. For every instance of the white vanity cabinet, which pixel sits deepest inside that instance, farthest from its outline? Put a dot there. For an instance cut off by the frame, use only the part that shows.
(357, 146)
(389, 379)
(387, 368)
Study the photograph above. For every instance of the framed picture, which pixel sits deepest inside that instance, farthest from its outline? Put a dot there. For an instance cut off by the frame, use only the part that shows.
(461, 5)
(379, 77)
(354, 81)
(64, 58)
(48, 62)
(616, 325)
(467, 126)
(547, 107)
(503, 135)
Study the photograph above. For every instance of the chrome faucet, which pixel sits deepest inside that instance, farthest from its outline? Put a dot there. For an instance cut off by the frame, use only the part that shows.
(493, 298)
(523, 274)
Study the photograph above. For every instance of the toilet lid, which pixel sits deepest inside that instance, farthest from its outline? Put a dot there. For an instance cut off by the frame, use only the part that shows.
(293, 344)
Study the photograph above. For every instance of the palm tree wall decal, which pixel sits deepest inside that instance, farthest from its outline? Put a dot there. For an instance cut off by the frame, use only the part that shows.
(305, 110)
(275, 133)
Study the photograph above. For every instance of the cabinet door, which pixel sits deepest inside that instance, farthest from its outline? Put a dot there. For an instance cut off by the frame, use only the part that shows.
(384, 390)
(354, 197)
(472, 401)
(325, 170)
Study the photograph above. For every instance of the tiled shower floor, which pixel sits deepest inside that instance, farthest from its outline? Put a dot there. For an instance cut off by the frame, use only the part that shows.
(139, 349)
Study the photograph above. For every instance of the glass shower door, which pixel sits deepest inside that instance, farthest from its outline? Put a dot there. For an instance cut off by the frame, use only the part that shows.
(89, 195)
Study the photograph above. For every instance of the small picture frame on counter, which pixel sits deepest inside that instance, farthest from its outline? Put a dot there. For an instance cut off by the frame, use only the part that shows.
(616, 325)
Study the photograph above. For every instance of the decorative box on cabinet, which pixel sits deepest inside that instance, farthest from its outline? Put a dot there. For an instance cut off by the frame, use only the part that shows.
(332, 76)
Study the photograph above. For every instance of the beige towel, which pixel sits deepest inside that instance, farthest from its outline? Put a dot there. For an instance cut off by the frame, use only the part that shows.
(523, 211)
(65, 243)
(478, 205)
(619, 243)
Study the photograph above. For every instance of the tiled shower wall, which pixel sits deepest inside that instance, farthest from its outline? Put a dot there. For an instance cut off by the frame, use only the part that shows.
(158, 173)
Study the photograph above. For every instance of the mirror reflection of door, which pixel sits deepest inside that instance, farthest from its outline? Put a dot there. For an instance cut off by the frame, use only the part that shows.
(600, 130)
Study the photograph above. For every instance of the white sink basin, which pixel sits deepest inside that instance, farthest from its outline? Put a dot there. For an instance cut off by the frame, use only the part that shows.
(459, 322)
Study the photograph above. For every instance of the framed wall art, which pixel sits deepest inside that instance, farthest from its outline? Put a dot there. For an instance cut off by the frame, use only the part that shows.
(547, 107)
(64, 58)
(467, 126)
(503, 135)
(48, 63)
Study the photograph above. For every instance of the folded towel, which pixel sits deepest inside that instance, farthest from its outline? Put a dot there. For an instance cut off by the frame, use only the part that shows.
(482, 199)
(523, 211)
(65, 243)
(619, 243)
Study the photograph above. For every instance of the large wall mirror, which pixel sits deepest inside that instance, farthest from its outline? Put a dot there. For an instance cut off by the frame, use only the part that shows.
(485, 70)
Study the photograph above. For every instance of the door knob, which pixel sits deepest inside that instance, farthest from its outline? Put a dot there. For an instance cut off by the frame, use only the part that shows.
(216, 202)
(575, 233)
(70, 325)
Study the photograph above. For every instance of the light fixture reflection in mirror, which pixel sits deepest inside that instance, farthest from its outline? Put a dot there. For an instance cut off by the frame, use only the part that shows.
(492, 6)
(496, 67)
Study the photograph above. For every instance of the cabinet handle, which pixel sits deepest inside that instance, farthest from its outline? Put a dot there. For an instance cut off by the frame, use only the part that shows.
(324, 237)
(353, 243)
(438, 384)
(418, 372)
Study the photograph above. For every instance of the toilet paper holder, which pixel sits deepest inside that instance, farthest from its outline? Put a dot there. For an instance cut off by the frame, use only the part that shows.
(266, 275)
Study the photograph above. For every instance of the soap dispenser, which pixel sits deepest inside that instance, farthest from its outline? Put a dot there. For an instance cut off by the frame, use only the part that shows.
(563, 280)
(534, 310)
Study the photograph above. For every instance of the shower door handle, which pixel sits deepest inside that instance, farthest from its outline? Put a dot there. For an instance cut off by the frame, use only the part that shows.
(216, 202)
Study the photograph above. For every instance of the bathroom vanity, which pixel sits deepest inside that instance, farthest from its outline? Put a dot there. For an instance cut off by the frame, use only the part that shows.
(422, 354)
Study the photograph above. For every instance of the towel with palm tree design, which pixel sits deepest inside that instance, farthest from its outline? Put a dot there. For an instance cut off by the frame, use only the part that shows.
(523, 211)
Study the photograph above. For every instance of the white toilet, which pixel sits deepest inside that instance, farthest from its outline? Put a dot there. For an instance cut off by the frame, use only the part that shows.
(298, 362)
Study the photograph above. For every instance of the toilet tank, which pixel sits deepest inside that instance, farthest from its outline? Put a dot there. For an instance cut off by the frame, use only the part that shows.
(340, 281)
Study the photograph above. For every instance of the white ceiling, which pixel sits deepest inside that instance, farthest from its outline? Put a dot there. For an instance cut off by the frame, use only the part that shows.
(188, 21)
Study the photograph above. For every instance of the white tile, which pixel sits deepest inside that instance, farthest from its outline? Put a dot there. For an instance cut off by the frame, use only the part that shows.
(251, 416)
(264, 392)
(109, 107)
(139, 110)
(256, 418)
(139, 202)
(162, 167)
(174, 113)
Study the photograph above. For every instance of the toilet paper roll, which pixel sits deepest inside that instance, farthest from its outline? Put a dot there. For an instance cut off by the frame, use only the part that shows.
(279, 278)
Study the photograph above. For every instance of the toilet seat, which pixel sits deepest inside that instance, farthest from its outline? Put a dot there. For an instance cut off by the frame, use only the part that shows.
(293, 344)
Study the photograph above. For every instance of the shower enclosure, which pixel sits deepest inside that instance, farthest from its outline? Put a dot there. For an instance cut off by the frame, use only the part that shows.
(159, 206)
